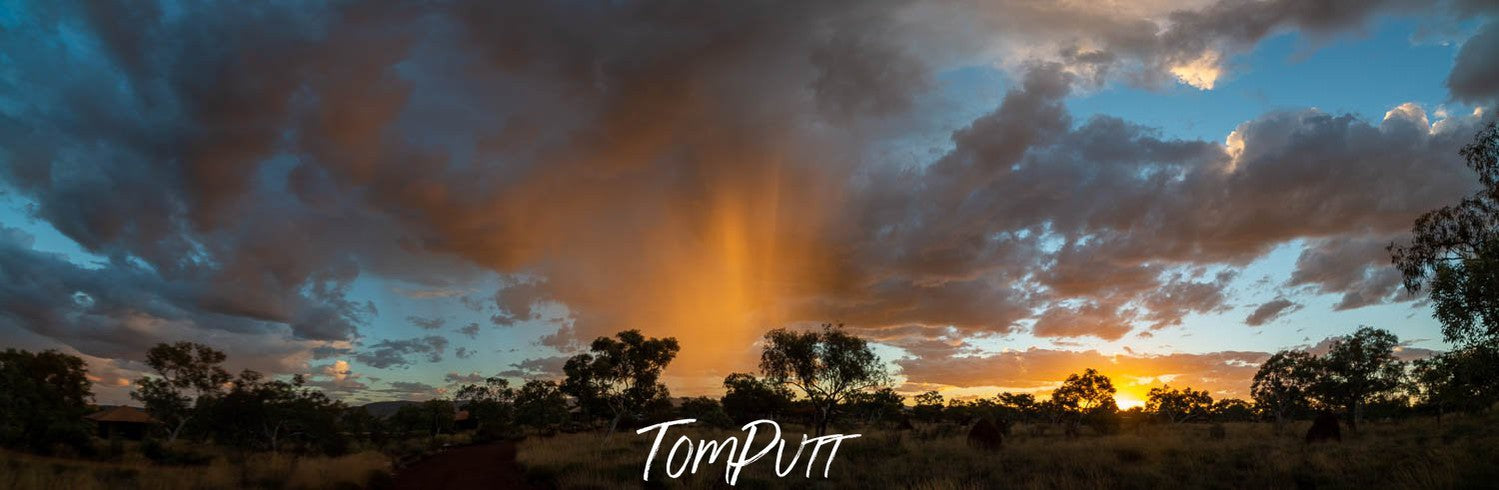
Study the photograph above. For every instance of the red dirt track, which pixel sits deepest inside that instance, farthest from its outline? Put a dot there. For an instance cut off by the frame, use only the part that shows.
(488, 466)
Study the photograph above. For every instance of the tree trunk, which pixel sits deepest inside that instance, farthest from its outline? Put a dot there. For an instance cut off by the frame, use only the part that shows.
(1280, 421)
(1354, 415)
(613, 424)
(172, 435)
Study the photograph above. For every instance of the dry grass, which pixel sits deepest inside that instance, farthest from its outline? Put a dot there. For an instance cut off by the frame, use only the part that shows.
(20, 471)
(1412, 454)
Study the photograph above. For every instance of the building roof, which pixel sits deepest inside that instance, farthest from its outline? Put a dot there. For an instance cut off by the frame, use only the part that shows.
(122, 414)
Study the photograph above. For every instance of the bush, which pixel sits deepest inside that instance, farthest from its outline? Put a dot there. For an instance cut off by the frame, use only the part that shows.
(163, 454)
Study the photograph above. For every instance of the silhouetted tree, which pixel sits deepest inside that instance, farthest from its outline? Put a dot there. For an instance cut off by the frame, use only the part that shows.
(706, 410)
(747, 398)
(43, 398)
(1017, 407)
(1357, 369)
(882, 405)
(1088, 398)
(1232, 410)
(1455, 252)
(187, 375)
(263, 414)
(1283, 384)
(928, 406)
(1457, 380)
(1177, 406)
(432, 417)
(827, 366)
(540, 404)
(491, 405)
(622, 375)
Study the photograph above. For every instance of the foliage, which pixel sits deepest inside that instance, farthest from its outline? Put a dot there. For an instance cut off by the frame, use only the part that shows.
(928, 406)
(1086, 392)
(1232, 410)
(1358, 369)
(540, 405)
(747, 398)
(1283, 385)
(1177, 406)
(491, 405)
(706, 410)
(623, 375)
(882, 405)
(430, 418)
(187, 376)
(1457, 380)
(827, 366)
(43, 398)
(273, 415)
(1455, 252)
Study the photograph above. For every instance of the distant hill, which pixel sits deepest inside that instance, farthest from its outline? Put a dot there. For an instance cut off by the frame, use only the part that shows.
(386, 409)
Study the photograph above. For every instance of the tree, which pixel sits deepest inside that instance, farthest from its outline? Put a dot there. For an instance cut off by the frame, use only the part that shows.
(1455, 252)
(1177, 406)
(540, 404)
(1357, 369)
(432, 417)
(1457, 380)
(827, 366)
(1086, 392)
(928, 406)
(1232, 410)
(747, 398)
(623, 375)
(706, 410)
(262, 414)
(879, 405)
(1283, 383)
(491, 405)
(43, 398)
(188, 374)
(1018, 406)
(1088, 397)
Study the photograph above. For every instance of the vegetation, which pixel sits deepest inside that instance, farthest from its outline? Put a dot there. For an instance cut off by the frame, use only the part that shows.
(620, 377)
(827, 366)
(43, 398)
(1414, 453)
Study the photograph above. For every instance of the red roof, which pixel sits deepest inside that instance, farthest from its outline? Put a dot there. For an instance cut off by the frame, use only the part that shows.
(122, 414)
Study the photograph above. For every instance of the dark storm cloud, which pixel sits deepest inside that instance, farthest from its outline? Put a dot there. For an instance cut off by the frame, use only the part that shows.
(698, 169)
(1270, 310)
(1475, 75)
(542, 367)
(1356, 267)
(398, 353)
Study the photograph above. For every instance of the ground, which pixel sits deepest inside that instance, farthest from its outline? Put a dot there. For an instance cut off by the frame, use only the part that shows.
(485, 466)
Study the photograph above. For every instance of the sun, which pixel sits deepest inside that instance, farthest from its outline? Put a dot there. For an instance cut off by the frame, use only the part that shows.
(1127, 401)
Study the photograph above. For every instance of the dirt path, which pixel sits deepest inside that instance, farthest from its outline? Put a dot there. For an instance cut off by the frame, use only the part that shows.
(487, 466)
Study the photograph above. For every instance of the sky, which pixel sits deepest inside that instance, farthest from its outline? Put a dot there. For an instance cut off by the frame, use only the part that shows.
(396, 198)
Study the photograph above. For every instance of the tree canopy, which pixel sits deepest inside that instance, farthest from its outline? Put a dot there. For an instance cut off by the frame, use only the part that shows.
(826, 365)
(622, 375)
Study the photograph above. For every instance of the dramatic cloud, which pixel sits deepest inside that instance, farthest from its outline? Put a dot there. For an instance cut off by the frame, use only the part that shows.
(542, 368)
(1475, 76)
(704, 170)
(1270, 310)
(397, 353)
